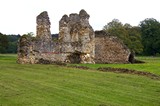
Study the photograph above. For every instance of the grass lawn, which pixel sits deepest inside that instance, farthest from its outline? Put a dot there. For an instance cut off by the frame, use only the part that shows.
(52, 85)
(152, 65)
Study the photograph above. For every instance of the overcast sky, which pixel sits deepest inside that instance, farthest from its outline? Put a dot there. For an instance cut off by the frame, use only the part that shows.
(19, 16)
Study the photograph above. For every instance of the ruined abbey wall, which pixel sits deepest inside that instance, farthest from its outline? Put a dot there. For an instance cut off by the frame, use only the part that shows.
(35, 49)
(77, 43)
(110, 49)
(76, 38)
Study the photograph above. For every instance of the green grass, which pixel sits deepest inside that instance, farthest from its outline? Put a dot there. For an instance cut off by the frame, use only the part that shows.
(52, 85)
(152, 64)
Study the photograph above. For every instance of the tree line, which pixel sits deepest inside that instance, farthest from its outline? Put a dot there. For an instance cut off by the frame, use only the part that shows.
(8, 43)
(143, 39)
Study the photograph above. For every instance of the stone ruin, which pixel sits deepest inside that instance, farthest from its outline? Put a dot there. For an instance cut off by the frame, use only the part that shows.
(77, 43)
(74, 45)
(76, 38)
(34, 50)
(110, 49)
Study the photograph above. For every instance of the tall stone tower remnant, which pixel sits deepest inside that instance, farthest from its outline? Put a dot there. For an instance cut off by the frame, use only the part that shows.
(77, 38)
(43, 26)
(34, 49)
(43, 35)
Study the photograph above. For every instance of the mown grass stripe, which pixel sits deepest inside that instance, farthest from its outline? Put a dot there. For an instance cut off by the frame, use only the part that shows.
(54, 85)
(93, 85)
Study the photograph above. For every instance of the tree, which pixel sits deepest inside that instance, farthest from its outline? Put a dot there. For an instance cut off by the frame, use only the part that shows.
(115, 23)
(135, 38)
(12, 46)
(131, 36)
(3, 43)
(116, 28)
(31, 34)
(150, 29)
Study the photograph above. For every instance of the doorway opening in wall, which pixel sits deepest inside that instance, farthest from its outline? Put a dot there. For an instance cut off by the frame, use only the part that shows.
(75, 58)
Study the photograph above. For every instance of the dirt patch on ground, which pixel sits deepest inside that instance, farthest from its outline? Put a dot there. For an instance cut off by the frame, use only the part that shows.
(43, 61)
(80, 67)
(121, 70)
(128, 71)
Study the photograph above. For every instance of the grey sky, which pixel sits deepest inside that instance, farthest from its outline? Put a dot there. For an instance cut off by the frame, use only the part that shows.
(19, 16)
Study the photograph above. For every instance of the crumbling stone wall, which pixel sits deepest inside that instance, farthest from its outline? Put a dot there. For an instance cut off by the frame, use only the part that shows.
(35, 49)
(77, 38)
(25, 50)
(110, 49)
(75, 43)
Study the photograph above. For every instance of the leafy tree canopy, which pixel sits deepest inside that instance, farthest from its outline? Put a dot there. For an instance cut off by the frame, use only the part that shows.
(3, 43)
(131, 36)
(150, 29)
